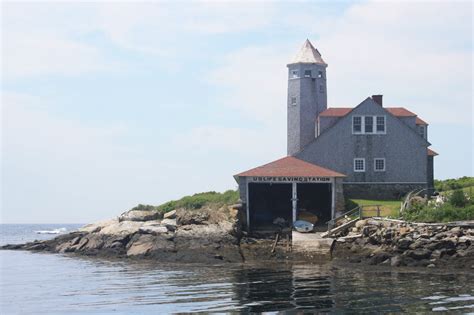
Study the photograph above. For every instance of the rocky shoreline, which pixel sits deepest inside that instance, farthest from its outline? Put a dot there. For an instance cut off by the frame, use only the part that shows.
(397, 243)
(211, 235)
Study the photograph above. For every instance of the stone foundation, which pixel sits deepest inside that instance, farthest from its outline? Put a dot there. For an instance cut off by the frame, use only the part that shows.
(379, 191)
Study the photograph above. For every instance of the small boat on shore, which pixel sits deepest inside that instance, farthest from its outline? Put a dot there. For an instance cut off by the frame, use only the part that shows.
(303, 226)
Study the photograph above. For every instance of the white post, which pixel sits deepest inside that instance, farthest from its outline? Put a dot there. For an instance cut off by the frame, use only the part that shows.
(294, 200)
(333, 197)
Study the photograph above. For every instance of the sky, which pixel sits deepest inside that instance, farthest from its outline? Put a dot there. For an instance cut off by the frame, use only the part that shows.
(109, 104)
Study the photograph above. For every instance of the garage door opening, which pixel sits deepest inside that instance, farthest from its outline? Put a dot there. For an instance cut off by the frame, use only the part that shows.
(268, 202)
(314, 202)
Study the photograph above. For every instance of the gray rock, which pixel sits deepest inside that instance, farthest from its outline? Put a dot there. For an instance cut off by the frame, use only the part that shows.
(151, 229)
(419, 254)
(191, 217)
(170, 215)
(139, 215)
(124, 227)
(395, 261)
(431, 266)
(404, 243)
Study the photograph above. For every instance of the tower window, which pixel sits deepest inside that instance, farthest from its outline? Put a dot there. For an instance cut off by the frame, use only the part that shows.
(321, 88)
(293, 101)
(379, 165)
(359, 165)
(307, 73)
(294, 74)
(320, 74)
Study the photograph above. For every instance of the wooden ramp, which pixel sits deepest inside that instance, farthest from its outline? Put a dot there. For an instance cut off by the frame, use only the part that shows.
(311, 243)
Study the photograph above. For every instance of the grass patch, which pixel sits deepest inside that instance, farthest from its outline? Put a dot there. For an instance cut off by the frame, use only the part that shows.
(388, 208)
(200, 200)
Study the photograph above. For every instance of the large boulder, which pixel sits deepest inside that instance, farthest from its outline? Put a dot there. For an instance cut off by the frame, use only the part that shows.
(170, 215)
(97, 226)
(124, 227)
(149, 245)
(139, 215)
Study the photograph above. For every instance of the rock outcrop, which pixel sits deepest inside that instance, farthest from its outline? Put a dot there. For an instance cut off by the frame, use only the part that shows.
(202, 235)
(398, 243)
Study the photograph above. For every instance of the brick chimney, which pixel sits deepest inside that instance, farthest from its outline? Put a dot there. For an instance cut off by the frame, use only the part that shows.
(378, 99)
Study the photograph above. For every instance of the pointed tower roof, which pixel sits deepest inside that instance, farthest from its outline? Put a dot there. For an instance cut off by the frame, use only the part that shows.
(308, 54)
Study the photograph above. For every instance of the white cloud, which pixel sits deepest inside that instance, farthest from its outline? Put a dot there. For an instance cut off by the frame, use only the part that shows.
(256, 79)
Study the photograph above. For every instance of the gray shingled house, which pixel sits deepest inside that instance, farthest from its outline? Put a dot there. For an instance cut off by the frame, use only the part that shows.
(369, 151)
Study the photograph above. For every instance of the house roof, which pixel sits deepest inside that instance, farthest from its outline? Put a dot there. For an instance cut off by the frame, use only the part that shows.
(432, 153)
(395, 111)
(290, 166)
(308, 54)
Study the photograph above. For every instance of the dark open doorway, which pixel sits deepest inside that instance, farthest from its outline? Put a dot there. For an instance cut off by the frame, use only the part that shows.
(315, 200)
(268, 202)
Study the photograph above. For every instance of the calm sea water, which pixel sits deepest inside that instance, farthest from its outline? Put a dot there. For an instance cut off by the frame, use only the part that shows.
(41, 283)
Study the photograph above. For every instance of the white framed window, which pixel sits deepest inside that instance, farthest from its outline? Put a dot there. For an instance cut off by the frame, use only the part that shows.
(307, 73)
(359, 165)
(293, 101)
(380, 121)
(369, 125)
(379, 165)
(294, 74)
(356, 124)
(421, 131)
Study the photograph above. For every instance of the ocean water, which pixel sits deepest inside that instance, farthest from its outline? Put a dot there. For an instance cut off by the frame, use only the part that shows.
(43, 283)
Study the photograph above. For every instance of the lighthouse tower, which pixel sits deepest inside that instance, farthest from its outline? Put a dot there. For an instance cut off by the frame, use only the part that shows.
(307, 96)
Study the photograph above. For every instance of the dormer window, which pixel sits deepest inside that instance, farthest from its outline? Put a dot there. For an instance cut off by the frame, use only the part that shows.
(294, 74)
(421, 131)
(307, 73)
(369, 125)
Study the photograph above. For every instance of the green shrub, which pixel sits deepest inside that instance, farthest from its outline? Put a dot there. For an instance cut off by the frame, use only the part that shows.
(443, 213)
(350, 204)
(458, 199)
(454, 183)
(144, 207)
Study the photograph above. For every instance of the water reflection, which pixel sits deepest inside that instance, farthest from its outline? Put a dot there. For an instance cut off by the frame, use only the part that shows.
(270, 289)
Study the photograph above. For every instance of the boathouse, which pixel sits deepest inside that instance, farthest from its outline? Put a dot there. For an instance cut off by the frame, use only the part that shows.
(289, 188)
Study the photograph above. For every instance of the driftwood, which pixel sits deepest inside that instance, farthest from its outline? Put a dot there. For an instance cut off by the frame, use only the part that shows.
(275, 243)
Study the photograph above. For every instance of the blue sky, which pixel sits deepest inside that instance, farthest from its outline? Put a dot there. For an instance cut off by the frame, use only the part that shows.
(110, 104)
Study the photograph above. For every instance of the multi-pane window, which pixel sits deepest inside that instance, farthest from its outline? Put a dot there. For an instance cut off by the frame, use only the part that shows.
(293, 101)
(359, 165)
(356, 124)
(380, 123)
(368, 124)
(294, 74)
(307, 73)
(379, 165)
